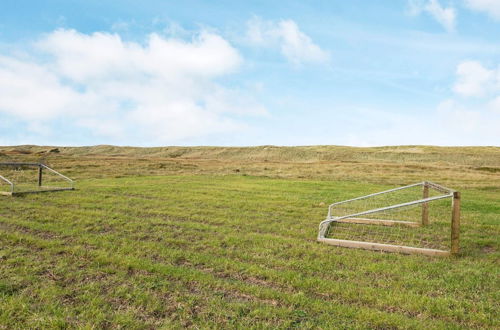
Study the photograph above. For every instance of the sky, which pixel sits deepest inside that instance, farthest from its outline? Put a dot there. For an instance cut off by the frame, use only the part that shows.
(240, 73)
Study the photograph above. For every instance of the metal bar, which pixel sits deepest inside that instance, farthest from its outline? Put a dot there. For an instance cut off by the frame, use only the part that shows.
(439, 187)
(55, 172)
(11, 184)
(374, 194)
(425, 200)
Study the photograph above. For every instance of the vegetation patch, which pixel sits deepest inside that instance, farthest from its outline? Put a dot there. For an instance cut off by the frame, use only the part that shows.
(206, 247)
(488, 169)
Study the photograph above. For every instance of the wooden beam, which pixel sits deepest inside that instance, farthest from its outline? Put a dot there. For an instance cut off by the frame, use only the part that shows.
(379, 222)
(17, 193)
(425, 206)
(383, 247)
(18, 164)
(455, 223)
(40, 172)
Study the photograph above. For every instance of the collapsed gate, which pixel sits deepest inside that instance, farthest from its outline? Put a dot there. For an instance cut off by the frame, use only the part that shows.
(22, 178)
(422, 218)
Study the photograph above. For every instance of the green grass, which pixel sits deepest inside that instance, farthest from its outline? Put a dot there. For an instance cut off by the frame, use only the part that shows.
(230, 251)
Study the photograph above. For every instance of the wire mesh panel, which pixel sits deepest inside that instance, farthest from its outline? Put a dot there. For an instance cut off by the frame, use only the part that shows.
(16, 178)
(412, 219)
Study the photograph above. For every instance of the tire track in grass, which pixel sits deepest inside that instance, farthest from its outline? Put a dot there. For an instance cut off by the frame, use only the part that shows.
(133, 213)
(355, 302)
(206, 218)
(228, 293)
(293, 301)
(192, 291)
(229, 233)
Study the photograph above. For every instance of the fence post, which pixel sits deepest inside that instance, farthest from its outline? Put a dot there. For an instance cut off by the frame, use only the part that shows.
(40, 169)
(455, 223)
(425, 206)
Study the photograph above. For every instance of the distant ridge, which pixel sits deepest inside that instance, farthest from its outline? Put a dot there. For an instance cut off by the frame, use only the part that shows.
(267, 152)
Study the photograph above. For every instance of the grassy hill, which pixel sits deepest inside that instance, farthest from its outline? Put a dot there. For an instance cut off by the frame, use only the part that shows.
(216, 237)
(276, 153)
(455, 166)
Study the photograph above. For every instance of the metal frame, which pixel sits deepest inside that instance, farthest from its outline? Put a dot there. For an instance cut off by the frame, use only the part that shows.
(354, 218)
(41, 167)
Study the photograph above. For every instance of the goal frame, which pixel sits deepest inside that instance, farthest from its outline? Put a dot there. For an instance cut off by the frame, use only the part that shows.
(424, 201)
(42, 188)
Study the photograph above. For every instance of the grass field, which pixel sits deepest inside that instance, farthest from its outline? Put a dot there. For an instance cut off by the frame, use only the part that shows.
(226, 238)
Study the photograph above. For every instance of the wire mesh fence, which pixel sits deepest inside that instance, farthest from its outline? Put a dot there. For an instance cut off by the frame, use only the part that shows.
(412, 216)
(31, 177)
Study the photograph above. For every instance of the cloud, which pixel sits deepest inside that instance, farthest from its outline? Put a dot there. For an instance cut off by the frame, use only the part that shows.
(475, 123)
(473, 79)
(444, 16)
(471, 117)
(31, 91)
(295, 45)
(162, 91)
(448, 124)
(491, 7)
(477, 113)
(494, 105)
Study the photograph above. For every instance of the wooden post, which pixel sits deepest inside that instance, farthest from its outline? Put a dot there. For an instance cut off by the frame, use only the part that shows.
(40, 169)
(383, 247)
(425, 206)
(455, 223)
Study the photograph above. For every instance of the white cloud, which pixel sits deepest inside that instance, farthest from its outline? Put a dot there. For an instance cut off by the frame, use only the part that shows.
(473, 79)
(294, 44)
(444, 16)
(449, 124)
(461, 118)
(481, 115)
(162, 91)
(491, 7)
(103, 127)
(494, 105)
(101, 55)
(474, 123)
(471, 119)
(31, 91)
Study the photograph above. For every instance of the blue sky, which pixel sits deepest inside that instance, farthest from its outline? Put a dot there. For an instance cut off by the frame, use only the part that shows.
(149, 73)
